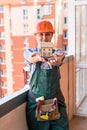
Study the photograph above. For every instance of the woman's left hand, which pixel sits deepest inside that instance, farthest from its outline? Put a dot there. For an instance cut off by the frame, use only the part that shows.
(57, 59)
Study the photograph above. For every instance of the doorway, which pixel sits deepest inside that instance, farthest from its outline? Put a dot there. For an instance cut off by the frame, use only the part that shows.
(78, 39)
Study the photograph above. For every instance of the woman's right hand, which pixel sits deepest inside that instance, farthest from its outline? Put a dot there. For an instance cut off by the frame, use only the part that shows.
(35, 57)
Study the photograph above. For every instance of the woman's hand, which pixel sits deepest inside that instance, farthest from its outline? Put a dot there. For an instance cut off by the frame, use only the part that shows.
(35, 57)
(57, 59)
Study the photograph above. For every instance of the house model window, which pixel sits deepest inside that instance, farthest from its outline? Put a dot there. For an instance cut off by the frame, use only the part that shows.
(46, 49)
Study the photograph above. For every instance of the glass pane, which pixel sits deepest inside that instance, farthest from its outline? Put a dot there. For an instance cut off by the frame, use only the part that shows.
(81, 55)
(17, 21)
(81, 34)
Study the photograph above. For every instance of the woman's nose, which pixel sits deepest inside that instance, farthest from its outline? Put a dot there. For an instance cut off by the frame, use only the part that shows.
(44, 37)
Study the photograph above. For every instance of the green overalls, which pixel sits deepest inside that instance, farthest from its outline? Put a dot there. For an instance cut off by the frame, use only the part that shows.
(46, 83)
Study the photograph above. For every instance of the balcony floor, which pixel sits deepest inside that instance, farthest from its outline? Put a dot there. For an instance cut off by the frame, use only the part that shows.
(78, 123)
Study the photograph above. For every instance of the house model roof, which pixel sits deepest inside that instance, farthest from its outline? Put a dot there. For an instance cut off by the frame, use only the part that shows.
(46, 44)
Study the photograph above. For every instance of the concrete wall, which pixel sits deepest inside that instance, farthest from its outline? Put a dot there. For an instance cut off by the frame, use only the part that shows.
(15, 119)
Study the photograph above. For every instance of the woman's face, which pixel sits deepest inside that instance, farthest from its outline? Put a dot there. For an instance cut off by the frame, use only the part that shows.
(44, 37)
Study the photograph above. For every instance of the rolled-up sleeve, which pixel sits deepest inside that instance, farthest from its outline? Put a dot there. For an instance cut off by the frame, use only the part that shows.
(58, 51)
(30, 65)
(26, 55)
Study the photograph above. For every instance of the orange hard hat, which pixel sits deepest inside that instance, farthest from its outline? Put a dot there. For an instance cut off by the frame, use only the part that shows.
(43, 26)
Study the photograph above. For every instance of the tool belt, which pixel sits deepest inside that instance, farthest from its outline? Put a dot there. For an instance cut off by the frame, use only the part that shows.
(47, 110)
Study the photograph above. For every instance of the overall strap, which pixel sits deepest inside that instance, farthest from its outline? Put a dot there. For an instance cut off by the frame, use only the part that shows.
(32, 95)
(37, 70)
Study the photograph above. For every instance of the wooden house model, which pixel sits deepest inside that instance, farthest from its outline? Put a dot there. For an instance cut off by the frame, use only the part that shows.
(46, 49)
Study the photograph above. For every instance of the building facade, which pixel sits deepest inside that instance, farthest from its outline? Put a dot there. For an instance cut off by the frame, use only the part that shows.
(17, 20)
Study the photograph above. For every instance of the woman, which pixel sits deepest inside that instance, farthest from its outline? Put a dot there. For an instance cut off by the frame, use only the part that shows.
(45, 80)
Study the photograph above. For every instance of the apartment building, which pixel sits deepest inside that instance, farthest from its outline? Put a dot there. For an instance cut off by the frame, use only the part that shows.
(17, 21)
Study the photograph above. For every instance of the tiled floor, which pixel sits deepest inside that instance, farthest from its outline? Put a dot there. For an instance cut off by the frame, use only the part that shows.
(80, 122)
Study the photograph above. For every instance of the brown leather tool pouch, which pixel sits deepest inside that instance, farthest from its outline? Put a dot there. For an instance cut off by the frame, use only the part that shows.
(48, 110)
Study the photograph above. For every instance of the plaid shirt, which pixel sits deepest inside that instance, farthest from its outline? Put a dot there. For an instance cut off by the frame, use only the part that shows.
(44, 65)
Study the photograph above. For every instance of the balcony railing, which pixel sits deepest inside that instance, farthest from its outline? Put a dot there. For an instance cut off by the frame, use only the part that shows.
(13, 107)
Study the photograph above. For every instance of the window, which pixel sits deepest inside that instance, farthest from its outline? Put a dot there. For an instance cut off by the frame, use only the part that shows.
(47, 9)
(1, 9)
(26, 42)
(25, 14)
(2, 60)
(38, 14)
(1, 72)
(3, 85)
(65, 20)
(38, 11)
(25, 28)
(65, 47)
(48, 0)
(2, 47)
(1, 22)
(65, 35)
(65, 5)
(23, 1)
(2, 35)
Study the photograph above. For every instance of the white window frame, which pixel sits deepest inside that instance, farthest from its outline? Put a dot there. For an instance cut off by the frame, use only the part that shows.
(71, 23)
(23, 1)
(81, 67)
(47, 9)
(1, 9)
(25, 13)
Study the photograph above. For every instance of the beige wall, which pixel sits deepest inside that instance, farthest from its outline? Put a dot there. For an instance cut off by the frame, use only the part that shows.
(67, 71)
(14, 120)
(8, 52)
(18, 20)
